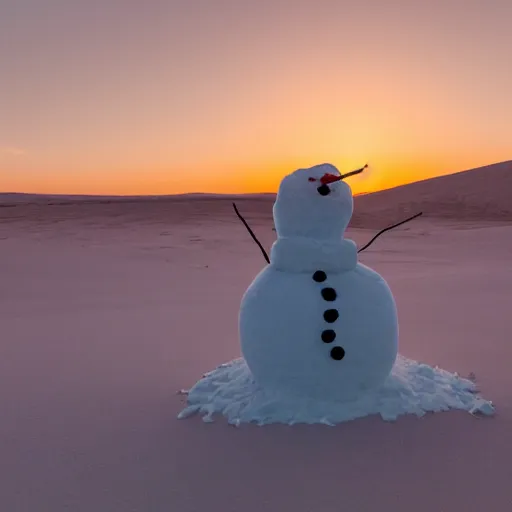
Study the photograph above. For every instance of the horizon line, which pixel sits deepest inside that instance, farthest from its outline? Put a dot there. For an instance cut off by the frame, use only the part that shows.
(223, 194)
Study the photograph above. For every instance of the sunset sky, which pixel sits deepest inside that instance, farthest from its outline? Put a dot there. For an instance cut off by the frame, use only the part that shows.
(159, 97)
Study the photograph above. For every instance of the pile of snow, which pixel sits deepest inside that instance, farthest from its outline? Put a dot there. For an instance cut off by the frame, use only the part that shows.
(412, 388)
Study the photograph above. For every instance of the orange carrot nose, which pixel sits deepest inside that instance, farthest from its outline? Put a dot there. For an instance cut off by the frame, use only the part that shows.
(329, 178)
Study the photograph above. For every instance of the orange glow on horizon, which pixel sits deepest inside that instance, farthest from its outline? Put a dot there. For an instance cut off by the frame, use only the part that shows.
(239, 180)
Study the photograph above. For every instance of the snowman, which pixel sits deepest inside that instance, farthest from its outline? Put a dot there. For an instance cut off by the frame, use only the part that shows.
(319, 331)
(315, 323)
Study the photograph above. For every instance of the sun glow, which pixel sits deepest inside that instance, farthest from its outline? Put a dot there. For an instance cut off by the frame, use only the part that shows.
(197, 104)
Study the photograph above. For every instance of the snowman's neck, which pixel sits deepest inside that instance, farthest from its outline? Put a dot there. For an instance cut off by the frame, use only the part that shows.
(297, 254)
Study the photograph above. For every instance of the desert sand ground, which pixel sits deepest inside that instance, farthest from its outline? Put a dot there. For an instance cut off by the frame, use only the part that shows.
(108, 309)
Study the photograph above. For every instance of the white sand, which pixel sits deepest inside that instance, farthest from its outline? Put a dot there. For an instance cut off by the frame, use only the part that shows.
(106, 311)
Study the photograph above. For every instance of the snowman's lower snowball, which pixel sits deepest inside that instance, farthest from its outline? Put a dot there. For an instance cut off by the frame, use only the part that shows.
(321, 331)
(412, 388)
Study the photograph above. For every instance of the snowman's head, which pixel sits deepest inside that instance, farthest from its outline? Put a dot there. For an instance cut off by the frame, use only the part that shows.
(314, 203)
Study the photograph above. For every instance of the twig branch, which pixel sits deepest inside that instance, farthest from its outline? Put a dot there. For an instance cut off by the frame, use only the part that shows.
(352, 173)
(265, 255)
(387, 229)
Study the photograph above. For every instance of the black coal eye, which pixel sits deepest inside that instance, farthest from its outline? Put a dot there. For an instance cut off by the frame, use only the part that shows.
(324, 190)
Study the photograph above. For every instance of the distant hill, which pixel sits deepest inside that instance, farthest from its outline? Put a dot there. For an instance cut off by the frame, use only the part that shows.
(18, 198)
(482, 194)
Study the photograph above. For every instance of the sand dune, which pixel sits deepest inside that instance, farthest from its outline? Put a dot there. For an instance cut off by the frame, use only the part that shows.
(482, 194)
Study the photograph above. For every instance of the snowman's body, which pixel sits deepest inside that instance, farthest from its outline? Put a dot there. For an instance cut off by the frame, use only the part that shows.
(316, 323)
